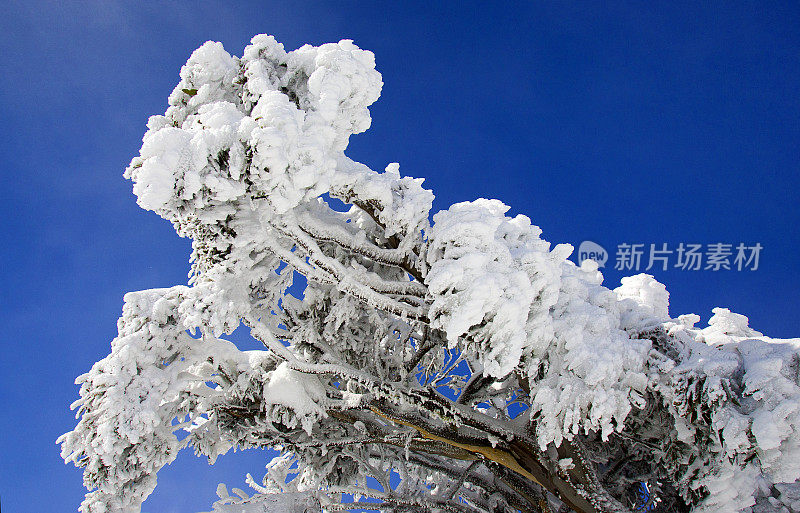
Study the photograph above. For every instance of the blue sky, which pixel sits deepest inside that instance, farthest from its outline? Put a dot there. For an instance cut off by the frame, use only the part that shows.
(626, 123)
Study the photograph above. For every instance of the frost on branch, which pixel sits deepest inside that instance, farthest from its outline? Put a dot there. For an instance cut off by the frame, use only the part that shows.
(155, 375)
(467, 356)
(485, 266)
(266, 503)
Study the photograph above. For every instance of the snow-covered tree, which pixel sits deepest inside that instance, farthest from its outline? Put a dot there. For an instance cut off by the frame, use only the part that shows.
(458, 359)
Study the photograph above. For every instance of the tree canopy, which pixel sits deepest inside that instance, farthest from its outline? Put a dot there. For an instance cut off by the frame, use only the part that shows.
(457, 359)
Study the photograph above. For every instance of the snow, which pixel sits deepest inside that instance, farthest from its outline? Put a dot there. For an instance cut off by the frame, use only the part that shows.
(649, 295)
(301, 393)
(273, 503)
(488, 272)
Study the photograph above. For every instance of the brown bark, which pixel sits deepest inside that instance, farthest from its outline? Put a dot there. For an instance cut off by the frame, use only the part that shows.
(523, 459)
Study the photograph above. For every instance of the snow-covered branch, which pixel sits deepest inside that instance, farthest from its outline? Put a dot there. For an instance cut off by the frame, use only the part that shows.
(460, 352)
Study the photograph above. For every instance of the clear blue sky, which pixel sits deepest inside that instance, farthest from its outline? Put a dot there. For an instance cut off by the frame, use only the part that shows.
(626, 123)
